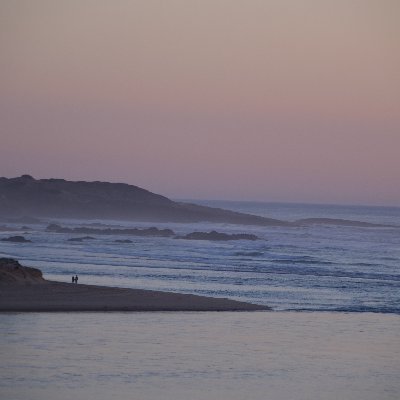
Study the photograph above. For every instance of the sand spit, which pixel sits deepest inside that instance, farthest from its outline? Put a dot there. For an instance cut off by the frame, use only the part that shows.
(55, 296)
(25, 294)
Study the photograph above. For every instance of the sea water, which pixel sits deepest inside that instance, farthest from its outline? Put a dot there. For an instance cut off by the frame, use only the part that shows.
(313, 268)
(333, 334)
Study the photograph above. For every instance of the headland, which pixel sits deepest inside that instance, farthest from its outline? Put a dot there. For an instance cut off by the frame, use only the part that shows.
(23, 289)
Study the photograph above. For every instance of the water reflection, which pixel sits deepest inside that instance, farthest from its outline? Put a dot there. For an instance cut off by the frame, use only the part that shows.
(199, 356)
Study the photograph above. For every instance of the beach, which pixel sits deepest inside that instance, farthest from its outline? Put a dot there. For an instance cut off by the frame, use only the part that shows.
(24, 289)
(58, 296)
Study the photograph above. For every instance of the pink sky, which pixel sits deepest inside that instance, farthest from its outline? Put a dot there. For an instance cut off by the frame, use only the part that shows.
(219, 99)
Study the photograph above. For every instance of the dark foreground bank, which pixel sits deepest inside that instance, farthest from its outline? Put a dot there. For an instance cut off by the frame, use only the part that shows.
(24, 289)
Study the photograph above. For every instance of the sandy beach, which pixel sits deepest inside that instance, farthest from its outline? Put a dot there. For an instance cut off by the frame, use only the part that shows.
(25, 289)
(57, 296)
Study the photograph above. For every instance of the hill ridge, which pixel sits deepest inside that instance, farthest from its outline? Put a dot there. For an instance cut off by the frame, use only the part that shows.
(60, 198)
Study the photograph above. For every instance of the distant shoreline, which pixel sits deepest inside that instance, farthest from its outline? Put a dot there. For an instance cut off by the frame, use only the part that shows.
(59, 198)
(65, 297)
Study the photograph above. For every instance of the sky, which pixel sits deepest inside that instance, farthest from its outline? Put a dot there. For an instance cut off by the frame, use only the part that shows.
(281, 100)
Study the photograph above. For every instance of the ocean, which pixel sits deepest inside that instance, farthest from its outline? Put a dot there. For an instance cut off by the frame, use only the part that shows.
(334, 332)
(313, 268)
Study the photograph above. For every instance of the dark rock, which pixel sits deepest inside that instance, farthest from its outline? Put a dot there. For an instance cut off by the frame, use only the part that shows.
(80, 239)
(123, 241)
(27, 177)
(218, 236)
(113, 231)
(11, 271)
(16, 239)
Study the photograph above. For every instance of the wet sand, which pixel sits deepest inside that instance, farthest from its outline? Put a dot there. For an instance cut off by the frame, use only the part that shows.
(58, 296)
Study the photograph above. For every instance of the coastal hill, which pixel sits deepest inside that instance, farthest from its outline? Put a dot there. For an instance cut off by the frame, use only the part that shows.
(59, 198)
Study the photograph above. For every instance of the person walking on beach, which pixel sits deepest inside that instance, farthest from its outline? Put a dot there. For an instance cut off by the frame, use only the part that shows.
(73, 279)
(76, 278)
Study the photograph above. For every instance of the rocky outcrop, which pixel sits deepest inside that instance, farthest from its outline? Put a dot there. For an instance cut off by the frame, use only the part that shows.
(218, 236)
(153, 231)
(58, 198)
(16, 239)
(80, 239)
(11, 271)
(112, 231)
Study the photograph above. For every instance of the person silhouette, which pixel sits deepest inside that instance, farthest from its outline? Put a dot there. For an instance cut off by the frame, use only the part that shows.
(73, 279)
(76, 278)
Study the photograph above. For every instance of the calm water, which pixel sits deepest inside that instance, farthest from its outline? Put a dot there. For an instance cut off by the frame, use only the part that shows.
(200, 356)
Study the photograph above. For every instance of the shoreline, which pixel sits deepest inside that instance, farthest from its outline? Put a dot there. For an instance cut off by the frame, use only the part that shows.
(51, 296)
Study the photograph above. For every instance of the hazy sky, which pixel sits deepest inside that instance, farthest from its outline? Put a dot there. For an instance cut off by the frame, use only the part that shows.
(220, 99)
